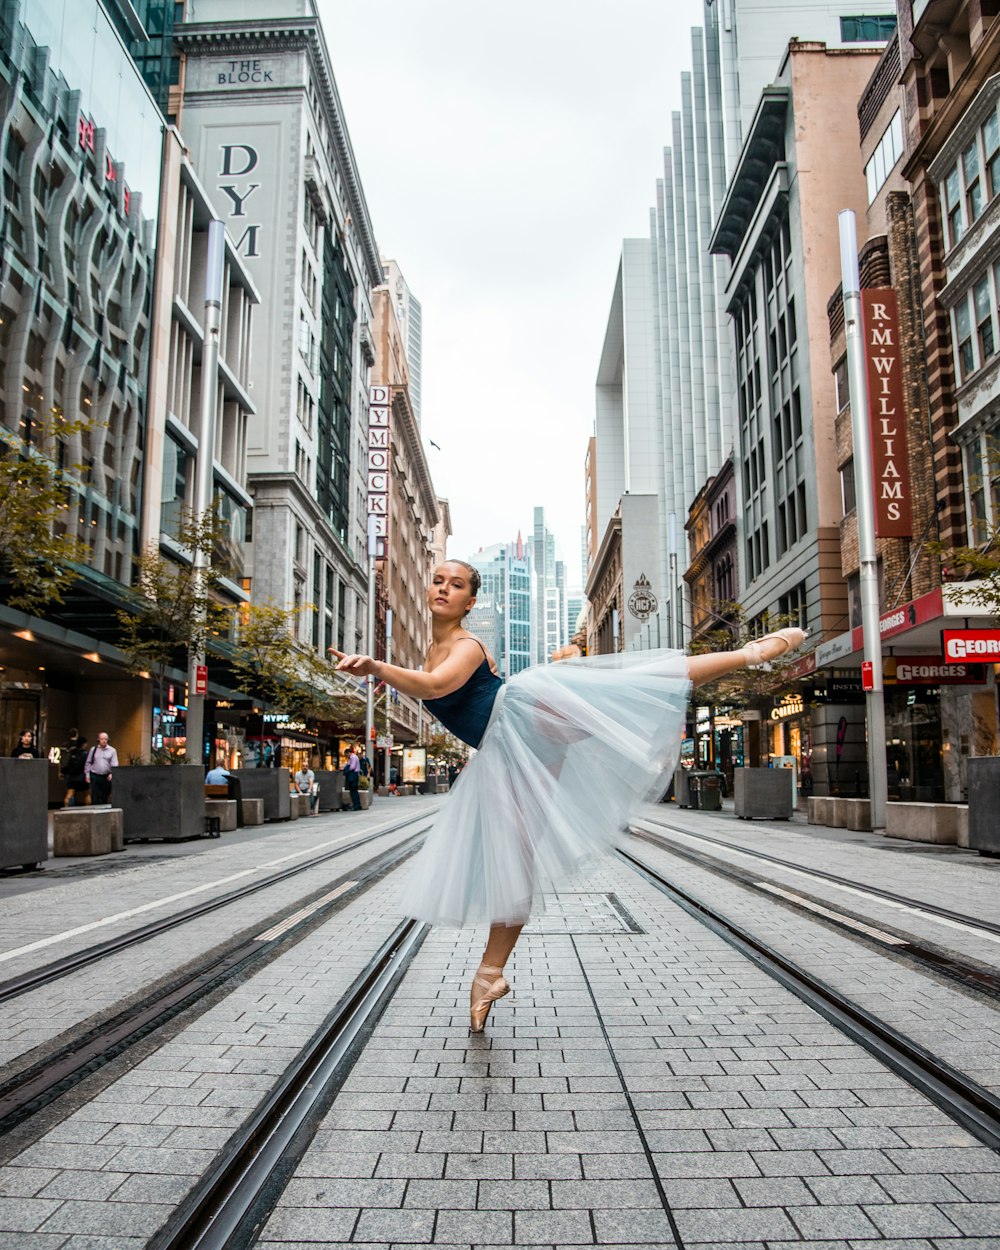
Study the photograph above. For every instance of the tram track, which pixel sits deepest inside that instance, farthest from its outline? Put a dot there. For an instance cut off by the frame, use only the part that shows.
(965, 1100)
(979, 978)
(231, 1202)
(69, 964)
(85, 1053)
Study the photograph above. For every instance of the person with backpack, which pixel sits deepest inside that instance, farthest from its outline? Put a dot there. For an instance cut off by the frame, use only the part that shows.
(74, 772)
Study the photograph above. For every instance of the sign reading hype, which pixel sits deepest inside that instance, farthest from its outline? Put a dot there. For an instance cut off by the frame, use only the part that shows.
(887, 413)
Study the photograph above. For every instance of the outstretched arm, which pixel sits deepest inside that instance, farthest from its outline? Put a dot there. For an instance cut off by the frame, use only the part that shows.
(465, 657)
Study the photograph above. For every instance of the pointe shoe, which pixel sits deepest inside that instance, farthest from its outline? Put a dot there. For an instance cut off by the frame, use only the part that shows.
(790, 638)
(492, 981)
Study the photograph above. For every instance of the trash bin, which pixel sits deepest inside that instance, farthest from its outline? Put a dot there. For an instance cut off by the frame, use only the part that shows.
(705, 791)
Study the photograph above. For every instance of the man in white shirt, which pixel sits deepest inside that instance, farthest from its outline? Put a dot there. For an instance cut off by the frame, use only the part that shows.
(305, 783)
(102, 760)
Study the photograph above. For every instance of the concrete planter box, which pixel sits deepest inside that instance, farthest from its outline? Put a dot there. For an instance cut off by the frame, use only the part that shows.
(24, 813)
(764, 793)
(927, 822)
(225, 811)
(331, 784)
(984, 804)
(86, 831)
(270, 784)
(253, 811)
(859, 815)
(299, 806)
(164, 802)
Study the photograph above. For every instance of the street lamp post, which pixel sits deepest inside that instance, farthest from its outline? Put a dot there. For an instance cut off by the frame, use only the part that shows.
(864, 491)
(370, 645)
(388, 701)
(204, 480)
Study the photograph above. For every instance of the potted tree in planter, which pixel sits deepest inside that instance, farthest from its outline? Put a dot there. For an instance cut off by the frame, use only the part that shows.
(171, 610)
(39, 555)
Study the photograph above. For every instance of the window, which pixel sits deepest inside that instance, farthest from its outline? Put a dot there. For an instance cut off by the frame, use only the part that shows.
(842, 383)
(953, 208)
(973, 183)
(982, 465)
(991, 146)
(874, 29)
(174, 498)
(984, 318)
(883, 160)
(963, 337)
(847, 487)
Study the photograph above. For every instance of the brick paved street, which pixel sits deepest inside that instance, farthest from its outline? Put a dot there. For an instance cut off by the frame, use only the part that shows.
(644, 1085)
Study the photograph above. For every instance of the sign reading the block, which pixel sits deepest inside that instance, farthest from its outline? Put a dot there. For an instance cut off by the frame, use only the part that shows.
(379, 445)
(886, 413)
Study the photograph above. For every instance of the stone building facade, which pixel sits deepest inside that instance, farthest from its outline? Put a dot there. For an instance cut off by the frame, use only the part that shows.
(268, 138)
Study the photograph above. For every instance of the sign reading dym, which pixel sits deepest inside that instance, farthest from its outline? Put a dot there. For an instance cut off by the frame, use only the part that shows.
(982, 645)
(887, 413)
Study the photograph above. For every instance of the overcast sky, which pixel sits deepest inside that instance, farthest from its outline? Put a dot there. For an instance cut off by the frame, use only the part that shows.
(505, 151)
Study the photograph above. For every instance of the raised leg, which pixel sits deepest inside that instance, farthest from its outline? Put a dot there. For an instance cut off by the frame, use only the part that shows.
(705, 668)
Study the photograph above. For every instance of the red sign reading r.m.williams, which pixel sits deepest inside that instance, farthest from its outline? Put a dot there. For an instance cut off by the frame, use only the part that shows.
(886, 413)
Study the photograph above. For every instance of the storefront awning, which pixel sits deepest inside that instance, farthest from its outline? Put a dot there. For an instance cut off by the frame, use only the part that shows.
(913, 627)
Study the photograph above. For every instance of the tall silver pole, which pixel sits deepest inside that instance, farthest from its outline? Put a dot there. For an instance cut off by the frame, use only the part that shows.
(370, 646)
(864, 490)
(388, 701)
(204, 478)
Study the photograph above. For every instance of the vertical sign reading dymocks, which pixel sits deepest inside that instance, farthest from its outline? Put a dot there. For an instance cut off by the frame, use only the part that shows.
(887, 413)
(379, 451)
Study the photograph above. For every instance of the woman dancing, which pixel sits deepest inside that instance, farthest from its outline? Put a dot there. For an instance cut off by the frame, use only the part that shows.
(567, 752)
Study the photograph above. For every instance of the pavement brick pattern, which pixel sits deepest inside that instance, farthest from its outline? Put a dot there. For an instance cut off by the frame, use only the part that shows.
(627, 1074)
(624, 1070)
(957, 1024)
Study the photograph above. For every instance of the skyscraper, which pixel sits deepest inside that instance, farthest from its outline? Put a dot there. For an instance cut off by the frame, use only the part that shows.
(501, 618)
(549, 591)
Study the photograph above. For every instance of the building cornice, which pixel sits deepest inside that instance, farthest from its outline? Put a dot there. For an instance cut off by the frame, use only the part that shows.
(959, 98)
(611, 540)
(282, 35)
(403, 418)
(965, 128)
(761, 152)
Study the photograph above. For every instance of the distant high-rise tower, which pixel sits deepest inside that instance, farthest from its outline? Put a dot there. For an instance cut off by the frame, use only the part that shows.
(550, 591)
(501, 618)
(411, 319)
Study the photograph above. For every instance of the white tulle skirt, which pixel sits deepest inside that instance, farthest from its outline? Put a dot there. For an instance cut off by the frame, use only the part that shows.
(571, 751)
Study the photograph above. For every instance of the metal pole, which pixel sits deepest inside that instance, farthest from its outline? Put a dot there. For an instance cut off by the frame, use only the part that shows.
(205, 478)
(388, 701)
(864, 490)
(614, 629)
(370, 647)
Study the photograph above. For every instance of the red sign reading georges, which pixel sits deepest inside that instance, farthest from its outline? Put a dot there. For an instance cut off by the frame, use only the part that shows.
(887, 413)
(982, 645)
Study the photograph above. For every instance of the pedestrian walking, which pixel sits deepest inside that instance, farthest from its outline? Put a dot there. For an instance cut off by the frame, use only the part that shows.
(566, 753)
(102, 760)
(352, 776)
(74, 772)
(25, 749)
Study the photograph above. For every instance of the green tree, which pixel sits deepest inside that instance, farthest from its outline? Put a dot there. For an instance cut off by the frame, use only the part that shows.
(172, 608)
(37, 552)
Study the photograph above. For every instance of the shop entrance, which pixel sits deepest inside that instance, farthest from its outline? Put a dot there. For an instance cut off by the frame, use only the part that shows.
(21, 707)
(913, 745)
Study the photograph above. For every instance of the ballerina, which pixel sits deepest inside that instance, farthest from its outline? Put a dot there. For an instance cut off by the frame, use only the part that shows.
(566, 754)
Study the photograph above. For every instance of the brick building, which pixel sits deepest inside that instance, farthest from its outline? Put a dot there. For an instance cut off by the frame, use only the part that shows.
(927, 233)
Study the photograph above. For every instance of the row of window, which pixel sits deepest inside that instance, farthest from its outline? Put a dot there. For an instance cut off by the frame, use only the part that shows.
(974, 324)
(883, 160)
(972, 181)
